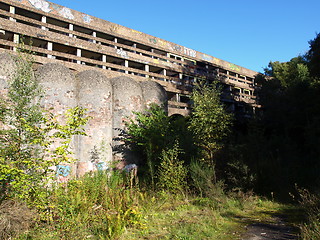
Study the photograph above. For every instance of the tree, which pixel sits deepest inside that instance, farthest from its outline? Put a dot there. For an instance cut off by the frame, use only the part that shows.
(209, 121)
(149, 133)
(313, 56)
(27, 134)
(153, 134)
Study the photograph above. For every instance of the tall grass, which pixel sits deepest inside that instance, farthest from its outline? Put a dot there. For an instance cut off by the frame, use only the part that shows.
(97, 206)
(311, 204)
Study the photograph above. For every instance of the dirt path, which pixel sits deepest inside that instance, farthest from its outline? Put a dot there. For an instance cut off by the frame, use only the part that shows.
(277, 228)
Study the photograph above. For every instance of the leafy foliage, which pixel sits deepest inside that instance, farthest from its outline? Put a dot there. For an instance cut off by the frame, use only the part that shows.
(28, 134)
(153, 131)
(172, 173)
(209, 122)
(313, 56)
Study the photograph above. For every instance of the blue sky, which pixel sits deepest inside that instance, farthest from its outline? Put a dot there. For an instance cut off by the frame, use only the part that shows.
(250, 33)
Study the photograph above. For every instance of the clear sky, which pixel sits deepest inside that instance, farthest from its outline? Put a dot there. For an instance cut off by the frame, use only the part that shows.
(249, 33)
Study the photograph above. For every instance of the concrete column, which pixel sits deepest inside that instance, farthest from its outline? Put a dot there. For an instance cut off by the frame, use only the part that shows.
(126, 64)
(168, 55)
(78, 55)
(44, 20)
(13, 11)
(71, 29)
(178, 97)
(94, 34)
(146, 68)
(104, 59)
(116, 41)
(165, 72)
(16, 39)
(49, 48)
(135, 46)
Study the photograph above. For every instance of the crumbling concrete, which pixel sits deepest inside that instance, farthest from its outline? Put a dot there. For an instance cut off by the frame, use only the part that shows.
(109, 102)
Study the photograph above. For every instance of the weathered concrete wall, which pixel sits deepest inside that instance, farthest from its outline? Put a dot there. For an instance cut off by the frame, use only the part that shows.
(7, 70)
(153, 93)
(110, 102)
(127, 98)
(95, 94)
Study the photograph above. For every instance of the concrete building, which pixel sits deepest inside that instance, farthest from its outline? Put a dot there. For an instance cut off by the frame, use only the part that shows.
(81, 42)
(112, 71)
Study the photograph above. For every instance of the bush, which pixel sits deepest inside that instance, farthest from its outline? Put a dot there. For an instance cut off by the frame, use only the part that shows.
(171, 172)
(203, 180)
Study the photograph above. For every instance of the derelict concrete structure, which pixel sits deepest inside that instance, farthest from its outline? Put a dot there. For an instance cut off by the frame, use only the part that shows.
(110, 69)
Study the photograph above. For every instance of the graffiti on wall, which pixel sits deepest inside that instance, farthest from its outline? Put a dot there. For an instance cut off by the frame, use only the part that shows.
(135, 31)
(206, 57)
(86, 18)
(190, 52)
(63, 173)
(66, 13)
(99, 164)
(234, 67)
(41, 4)
(122, 53)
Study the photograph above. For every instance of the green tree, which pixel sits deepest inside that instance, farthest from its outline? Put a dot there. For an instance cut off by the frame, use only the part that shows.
(313, 56)
(27, 134)
(209, 121)
(172, 173)
(289, 73)
(149, 133)
(153, 131)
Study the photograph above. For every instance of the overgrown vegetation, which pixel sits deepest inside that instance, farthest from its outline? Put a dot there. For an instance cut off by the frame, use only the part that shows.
(197, 174)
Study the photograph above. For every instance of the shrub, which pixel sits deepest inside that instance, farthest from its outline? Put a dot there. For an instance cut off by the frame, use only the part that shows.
(171, 172)
(203, 180)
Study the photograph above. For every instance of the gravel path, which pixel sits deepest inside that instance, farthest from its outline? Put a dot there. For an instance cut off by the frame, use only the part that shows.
(276, 229)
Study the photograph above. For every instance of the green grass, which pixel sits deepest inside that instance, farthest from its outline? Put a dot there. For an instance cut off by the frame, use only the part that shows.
(101, 208)
(177, 217)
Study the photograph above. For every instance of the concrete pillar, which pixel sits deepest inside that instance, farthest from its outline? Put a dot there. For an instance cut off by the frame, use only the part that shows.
(116, 41)
(71, 29)
(104, 59)
(165, 74)
(49, 48)
(94, 34)
(78, 55)
(44, 20)
(135, 46)
(126, 64)
(16, 39)
(178, 97)
(13, 11)
(146, 68)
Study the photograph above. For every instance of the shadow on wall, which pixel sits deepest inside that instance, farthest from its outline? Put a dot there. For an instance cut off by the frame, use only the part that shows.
(109, 102)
